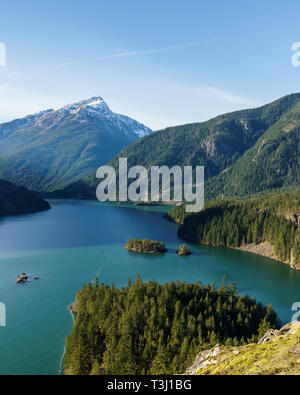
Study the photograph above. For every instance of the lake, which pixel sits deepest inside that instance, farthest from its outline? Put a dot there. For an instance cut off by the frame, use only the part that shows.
(75, 241)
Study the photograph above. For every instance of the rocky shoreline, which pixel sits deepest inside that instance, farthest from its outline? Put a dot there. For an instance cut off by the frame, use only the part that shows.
(267, 250)
(263, 249)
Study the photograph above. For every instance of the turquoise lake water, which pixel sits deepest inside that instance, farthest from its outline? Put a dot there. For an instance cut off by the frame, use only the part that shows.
(77, 240)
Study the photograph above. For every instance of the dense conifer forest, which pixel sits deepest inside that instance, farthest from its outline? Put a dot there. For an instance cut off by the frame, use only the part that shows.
(148, 328)
(273, 219)
(16, 200)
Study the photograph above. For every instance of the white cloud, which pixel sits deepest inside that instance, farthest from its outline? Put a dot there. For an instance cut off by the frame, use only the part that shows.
(220, 94)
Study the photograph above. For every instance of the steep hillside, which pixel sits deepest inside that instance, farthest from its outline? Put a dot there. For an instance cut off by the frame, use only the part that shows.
(17, 200)
(277, 353)
(244, 153)
(52, 149)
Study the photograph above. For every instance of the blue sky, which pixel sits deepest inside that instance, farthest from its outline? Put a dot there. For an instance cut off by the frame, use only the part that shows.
(162, 62)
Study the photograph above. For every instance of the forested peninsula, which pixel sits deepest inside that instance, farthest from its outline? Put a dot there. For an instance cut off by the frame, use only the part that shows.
(148, 328)
(267, 225)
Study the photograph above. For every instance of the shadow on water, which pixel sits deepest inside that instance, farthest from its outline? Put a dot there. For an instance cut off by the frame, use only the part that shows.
(79, 223)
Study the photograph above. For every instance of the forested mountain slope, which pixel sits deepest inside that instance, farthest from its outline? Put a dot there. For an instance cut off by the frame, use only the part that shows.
(244, 153)
(17, 200)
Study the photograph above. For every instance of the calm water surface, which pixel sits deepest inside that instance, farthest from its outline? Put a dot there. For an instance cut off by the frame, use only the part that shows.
(75, 241)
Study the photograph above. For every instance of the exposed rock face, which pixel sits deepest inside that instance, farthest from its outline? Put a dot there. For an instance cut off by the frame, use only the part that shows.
(277, 352)
(204, 359)
(269, 336)
(22, 278)
(214, 147)
(293, 217)
(293, 264)
(289, 329)
(264, 142)
(267, 249)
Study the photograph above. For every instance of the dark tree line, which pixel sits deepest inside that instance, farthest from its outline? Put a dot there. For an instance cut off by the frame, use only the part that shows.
(273, 219)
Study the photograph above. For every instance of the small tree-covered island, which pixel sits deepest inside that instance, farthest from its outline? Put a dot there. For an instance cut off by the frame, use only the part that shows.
(146, 246)
(183, 250)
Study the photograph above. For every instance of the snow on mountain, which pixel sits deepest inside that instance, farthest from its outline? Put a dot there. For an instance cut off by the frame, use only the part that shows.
(94, 110)
(52, 149)
(97, 108)
(9, 127)
(95, 105)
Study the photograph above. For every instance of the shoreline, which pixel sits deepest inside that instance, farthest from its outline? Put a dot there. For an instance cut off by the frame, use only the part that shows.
(145, 252)
(264, 249)
(61, 364)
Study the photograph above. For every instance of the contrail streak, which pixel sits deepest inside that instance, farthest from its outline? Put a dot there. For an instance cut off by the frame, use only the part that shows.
(132, 53)
(8, 83)
(113, 56)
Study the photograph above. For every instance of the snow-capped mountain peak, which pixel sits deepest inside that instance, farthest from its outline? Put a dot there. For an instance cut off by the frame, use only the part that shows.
(93, 112)
(96, 109)
(95, 103)
(65, 145)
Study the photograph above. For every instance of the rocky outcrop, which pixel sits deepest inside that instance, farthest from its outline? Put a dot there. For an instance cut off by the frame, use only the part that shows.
(263, 143)
(264, 249)
(204, 359)
(213, 147)
(293, 217)
(22, 278)
(276, 353)
(267, 249)
(289, 329)
(293, 264)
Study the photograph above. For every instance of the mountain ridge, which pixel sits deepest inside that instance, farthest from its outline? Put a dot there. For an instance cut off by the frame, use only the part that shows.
(244, 152)
(54, 148)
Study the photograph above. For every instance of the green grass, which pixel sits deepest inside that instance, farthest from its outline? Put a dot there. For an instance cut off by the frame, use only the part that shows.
(278, 357)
